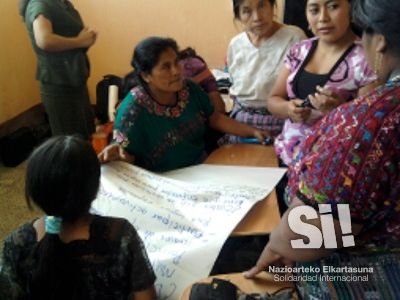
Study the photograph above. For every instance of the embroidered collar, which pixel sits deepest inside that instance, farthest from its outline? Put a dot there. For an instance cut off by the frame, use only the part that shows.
(144, 99)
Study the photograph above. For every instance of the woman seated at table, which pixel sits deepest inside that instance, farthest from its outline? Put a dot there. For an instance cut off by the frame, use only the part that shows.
(160, 124)
(70, 253)
(353, 158)
(195, 68)
(328, 69)
(254, 59)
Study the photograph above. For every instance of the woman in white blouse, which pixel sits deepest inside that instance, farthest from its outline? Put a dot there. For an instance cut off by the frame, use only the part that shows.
(254, 59)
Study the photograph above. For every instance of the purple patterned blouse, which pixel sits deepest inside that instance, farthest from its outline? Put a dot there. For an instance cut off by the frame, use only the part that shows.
(351, 74)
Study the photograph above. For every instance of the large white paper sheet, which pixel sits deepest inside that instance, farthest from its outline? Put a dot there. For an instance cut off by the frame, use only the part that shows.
(183, 225)
(207, 174)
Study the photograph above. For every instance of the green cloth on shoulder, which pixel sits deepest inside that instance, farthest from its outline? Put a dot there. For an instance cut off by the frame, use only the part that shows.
(164, 138)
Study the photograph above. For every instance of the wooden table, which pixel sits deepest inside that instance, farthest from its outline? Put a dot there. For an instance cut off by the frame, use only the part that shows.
(264, 282)
(264, 216)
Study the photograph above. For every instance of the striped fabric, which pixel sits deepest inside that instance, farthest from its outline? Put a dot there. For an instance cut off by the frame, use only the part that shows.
(354, 275)
(256, 117)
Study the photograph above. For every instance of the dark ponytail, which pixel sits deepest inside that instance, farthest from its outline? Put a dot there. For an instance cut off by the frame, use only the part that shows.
(58, 275)
(63, 177)
(129, 82)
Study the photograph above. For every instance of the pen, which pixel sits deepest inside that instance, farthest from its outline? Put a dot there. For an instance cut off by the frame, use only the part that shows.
(253, 140)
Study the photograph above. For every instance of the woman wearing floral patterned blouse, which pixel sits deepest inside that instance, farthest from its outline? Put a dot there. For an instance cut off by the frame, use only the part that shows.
(328, 69)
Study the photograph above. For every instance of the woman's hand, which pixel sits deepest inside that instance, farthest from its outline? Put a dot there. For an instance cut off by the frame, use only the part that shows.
(115, 152)
(47, 40)
(297, 113)
(147, 294)
(324, 100)
(87, 37)
(267, 258)
(261, 135)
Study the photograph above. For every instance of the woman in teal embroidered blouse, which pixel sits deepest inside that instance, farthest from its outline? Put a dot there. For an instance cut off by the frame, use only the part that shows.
(160, 124)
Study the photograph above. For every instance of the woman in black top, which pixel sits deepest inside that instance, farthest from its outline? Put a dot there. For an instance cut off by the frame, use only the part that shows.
(70, 253)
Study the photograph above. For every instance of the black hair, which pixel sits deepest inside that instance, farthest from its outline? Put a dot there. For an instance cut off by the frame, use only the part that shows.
(238, 3)
(62, 178)
(145, 57)
(129, 82)
(189, 52)
(353, 26)
(379, 16)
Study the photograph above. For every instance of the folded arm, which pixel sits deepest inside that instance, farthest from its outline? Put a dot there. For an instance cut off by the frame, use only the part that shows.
(47, 40)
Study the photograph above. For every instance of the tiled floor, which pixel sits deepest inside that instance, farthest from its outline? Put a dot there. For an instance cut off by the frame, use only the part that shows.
(13, 209)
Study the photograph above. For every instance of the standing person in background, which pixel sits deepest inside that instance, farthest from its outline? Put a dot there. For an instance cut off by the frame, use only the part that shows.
(328, 69)
(60, 41)
(71, 253)
(254, 59)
